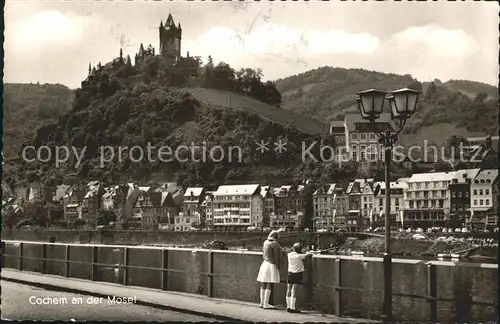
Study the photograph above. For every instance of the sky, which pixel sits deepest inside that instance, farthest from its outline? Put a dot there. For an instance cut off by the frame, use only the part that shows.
(54, 41)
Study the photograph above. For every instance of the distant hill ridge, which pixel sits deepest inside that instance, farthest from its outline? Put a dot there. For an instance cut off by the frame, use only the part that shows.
(328, 93)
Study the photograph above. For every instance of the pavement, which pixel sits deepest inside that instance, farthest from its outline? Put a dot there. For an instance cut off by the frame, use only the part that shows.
(215, 308)
(20, 303)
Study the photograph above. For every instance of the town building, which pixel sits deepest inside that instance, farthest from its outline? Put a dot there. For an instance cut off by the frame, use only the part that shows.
(156, 206)
(460, 188)
(361, 193)
(91, 204)
(115, 199)
(484, 195)
(73, 203)
(191, 215)
(237, 207)
(208, 206)
(289, 207)
(427, 199)
(358, 136)
(397, 189)
(330, 206)
(267, 194)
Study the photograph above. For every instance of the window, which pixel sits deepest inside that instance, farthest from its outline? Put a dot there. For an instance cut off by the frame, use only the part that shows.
(365, 199)
(480, 202)
(466, 194)
(372, 136)
(487, 202)
(363, 136)
(453, 194)
(354, 136)
(480, 192)
(487, 191)
(475, 202)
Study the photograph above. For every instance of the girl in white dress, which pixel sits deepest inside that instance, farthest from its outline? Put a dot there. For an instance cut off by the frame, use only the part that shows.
(269, 269)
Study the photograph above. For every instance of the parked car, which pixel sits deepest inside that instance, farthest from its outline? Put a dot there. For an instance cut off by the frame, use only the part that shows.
(420, 230)
(164, 227)
(251, 228)
(322, 230)
(419, 237)
(216, 245)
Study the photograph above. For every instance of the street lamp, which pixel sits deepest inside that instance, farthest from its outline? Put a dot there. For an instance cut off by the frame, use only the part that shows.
(402, 104)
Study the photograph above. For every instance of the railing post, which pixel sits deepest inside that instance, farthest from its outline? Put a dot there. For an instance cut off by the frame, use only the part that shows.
(21, 256)
(43, 267)
(3, 254)
(164, 272)
(432, 291)
(211, 274)
(66, 266)
(125, 265)
(94, 261)
(338, 286)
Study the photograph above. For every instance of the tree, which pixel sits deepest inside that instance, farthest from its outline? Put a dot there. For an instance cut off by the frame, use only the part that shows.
(223, 77)
(107, 216)
(480, 97)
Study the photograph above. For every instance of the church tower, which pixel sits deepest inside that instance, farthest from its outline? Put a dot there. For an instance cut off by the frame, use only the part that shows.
(170, 39)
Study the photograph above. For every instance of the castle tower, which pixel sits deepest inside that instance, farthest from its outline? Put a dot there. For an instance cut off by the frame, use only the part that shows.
(170, 39)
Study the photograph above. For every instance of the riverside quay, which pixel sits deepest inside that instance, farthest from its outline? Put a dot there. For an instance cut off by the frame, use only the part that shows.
(423, 291)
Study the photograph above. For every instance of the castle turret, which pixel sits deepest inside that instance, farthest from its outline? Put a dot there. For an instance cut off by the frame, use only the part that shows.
(170, 39)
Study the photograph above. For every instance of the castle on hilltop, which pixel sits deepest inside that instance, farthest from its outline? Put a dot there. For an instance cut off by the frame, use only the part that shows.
(170, 43)
(170, 37)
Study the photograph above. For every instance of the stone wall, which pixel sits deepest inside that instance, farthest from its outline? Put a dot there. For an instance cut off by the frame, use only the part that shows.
(469, 291)
(136, 237)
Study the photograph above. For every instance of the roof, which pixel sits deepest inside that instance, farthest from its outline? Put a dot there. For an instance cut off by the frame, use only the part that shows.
(264, 190)
(196, 191)
(461, 175)
(352, 119)
(433, 176)
(236, 190)
(285, 190)
(488, 173)
(393, 185)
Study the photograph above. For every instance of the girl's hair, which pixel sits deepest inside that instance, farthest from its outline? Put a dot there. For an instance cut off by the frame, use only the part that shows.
(297, 247)
(273, 235)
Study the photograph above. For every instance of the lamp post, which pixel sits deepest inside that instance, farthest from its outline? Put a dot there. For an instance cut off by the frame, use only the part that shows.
(402, 105)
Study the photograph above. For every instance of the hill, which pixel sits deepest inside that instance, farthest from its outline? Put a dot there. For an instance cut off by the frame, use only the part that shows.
(471, 88)
(328, 93)
(26, 107)
(224, 99)
(121, 106)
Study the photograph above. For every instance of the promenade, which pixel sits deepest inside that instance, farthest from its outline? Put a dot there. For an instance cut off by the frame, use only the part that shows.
(220, 309)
